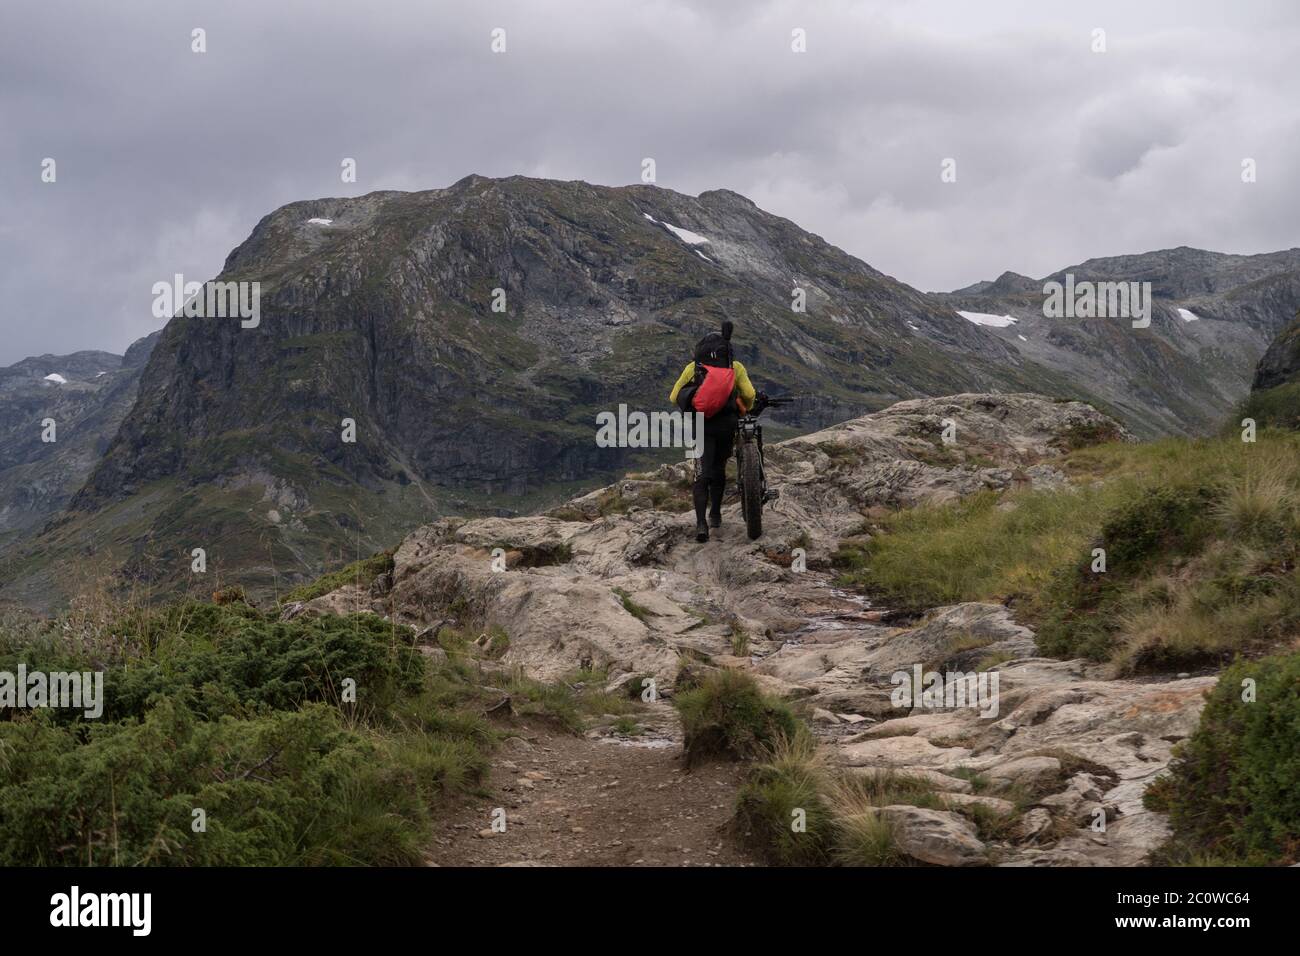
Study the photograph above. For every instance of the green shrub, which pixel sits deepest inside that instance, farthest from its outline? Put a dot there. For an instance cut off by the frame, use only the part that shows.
(231, 711)
(791, 779)
(569, 703)
(226, 659)
(498, 643)
(1277, 407)
(1086, 434)
(636, 685)
(289, 788)
(627, 727)
(842, 822)
(361, 572)
(727, 715)
(1083, 609)
(866, 838)
(1231, 792)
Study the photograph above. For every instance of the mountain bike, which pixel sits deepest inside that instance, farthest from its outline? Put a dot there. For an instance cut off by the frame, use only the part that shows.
(750, 474)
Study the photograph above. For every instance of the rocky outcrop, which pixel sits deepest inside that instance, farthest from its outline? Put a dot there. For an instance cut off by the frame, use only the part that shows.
(1281, 363)
(631, 591)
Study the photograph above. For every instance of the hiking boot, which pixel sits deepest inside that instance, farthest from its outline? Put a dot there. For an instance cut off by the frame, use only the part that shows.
(715, 518)
(701, 532)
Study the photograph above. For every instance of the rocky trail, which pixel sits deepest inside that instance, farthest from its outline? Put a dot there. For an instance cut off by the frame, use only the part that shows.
(598, 800)
(613, 581)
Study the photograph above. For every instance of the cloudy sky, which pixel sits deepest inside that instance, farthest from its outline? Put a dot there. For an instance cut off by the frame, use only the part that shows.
(166, 158)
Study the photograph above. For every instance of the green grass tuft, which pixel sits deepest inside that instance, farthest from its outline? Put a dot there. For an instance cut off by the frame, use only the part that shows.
(726, 715)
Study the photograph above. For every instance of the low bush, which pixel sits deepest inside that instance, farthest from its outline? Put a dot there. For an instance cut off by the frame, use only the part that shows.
(361, 573)
(726, 715)
(229, 737)
(1231, 791)
(1277, 407)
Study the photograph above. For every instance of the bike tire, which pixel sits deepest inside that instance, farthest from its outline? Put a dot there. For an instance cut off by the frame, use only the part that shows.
(751, 489)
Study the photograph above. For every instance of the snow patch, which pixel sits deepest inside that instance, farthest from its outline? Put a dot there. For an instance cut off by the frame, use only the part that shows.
(685, 235)
(56, 378)
(702, 256)
(319, 222)
(1187, 316)
(986, 318)
(1021, 337)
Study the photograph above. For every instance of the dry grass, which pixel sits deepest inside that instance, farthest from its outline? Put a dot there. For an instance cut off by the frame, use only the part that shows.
(1203, 539)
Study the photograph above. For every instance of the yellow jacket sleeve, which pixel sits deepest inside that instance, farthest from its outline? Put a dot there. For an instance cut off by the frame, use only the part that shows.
(744, 388)
(688, 373)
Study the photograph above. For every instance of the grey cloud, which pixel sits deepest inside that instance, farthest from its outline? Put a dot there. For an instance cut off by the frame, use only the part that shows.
(166, 158)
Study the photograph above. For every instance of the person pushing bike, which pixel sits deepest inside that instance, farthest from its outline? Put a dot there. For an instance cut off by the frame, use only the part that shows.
(718, 386)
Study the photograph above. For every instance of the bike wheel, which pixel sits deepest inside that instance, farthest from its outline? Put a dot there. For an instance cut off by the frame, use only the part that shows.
(751, 489)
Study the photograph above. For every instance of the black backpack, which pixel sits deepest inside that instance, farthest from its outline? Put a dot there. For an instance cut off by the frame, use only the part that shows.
(713, 350)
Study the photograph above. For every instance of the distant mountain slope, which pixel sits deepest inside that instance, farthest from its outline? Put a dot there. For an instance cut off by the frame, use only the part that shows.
(381, 311)
(1213, 316)
(1275, 393)
(1281, 363)
(86, 394)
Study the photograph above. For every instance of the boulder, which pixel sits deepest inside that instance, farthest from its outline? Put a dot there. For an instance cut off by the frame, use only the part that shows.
(935, 836)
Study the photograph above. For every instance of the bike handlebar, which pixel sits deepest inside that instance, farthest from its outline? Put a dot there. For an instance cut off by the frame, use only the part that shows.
(765, 402)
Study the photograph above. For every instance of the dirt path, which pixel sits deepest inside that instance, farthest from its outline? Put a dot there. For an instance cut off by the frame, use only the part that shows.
(592, 801)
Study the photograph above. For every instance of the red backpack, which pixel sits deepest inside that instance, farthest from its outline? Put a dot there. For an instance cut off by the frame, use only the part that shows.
(715, 378)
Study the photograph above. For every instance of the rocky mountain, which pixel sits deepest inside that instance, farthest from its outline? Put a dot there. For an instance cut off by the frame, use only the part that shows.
(470, 336)
(380, 310)
(626, 590)
(1275, 391)
(86, 395)
(1281, 363)
(1213, 315)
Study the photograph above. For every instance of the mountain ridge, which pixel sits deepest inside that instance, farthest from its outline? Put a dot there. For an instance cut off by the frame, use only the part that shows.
(381, 312)
(378, 309)
(1213, 316)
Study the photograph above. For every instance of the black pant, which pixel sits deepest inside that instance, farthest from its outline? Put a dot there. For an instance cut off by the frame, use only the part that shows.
(719, 439)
